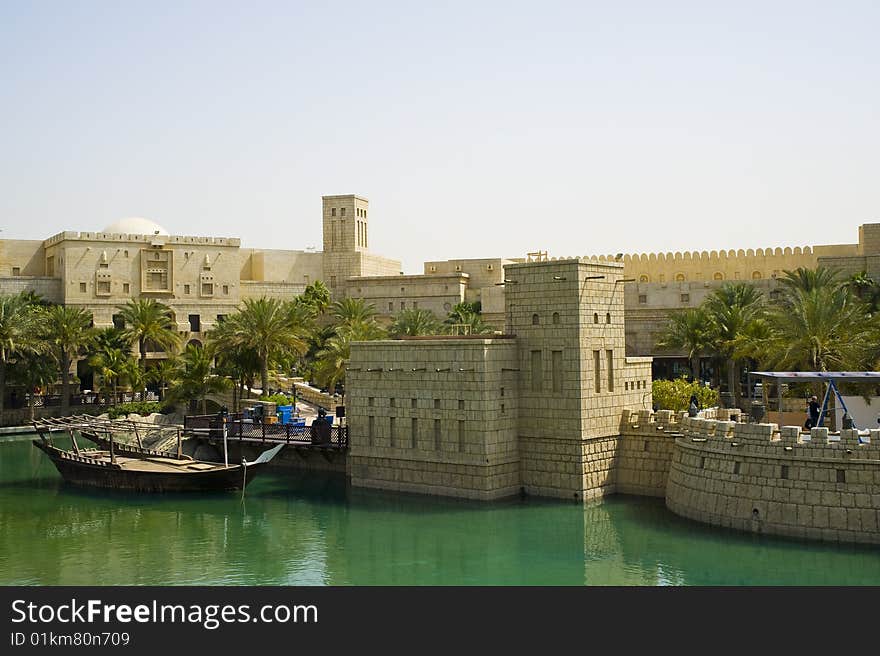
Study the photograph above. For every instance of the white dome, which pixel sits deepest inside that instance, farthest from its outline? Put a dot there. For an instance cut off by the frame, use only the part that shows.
(135, 225)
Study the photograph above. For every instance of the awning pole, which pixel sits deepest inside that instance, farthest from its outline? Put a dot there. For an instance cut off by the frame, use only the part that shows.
(779, 397)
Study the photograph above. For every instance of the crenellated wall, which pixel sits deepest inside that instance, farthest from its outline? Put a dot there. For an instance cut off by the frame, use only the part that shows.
(759, 478)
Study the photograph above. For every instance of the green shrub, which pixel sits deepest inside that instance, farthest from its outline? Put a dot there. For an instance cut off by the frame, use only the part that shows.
(277, 399)
(142, 408)
(676, 394)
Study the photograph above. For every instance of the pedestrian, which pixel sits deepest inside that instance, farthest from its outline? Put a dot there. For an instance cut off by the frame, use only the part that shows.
(813, 413)
(694, 406)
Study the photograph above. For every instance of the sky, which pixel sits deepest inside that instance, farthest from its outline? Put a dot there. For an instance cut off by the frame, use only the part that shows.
(475, 129)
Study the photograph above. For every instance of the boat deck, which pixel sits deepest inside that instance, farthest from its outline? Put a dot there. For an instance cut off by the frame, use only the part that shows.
(154, 464)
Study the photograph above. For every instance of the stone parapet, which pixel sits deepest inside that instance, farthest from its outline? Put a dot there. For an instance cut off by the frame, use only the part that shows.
(818, 489)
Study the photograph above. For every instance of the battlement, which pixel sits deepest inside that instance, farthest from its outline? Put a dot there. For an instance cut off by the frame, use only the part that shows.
(818, 441)
(68, 235)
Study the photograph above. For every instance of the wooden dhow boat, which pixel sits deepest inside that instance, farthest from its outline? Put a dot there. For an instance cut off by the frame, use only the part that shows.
(121, 466)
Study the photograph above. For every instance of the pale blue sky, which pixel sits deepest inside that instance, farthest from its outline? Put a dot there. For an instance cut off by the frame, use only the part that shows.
(475, 129)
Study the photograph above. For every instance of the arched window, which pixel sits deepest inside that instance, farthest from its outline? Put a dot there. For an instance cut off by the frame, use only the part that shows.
(644, 278)
(596, 318)
(607, 317)
(555, 317)
(718, 276)
(535, 319)
(680, 277)
(756, 275)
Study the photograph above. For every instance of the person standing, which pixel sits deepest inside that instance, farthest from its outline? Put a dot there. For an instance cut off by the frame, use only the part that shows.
(813, 411)
(694, 406)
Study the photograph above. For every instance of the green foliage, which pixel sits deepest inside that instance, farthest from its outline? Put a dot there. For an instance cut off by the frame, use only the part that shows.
(143, 408)
(277, 399)
(415, 322)
(149, 321)
(676, 394)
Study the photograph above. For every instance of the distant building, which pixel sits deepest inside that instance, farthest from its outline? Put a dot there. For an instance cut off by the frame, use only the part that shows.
(203, 279)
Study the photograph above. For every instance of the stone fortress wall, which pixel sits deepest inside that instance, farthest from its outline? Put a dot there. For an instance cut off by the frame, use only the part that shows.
(535, 411)
(434, 416)
(757, 477)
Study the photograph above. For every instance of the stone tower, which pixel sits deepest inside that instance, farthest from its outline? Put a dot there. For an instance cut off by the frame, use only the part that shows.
(574, 378)
(345, 239)
(345, 224)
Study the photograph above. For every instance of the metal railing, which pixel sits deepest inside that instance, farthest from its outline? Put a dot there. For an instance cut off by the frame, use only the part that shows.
(242, 429)
(17, 401)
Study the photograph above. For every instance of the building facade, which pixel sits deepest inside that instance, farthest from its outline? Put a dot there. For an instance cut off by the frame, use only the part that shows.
(203, 278)
(536, 410)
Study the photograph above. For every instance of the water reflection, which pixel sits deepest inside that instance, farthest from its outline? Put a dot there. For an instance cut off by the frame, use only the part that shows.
(294, 529)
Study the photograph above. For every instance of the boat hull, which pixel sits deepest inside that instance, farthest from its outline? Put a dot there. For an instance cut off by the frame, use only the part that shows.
(81, 472)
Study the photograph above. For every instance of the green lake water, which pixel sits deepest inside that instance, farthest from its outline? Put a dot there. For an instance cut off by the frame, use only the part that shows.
(291, 529)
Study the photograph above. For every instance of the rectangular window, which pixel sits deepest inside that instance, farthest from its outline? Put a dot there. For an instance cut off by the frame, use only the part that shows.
(126, 288)
(186, 289)
(392, 430)
(221, 318)
(643, 298)
(342, 212)
(537, 374)
(460, 404)
(403, 305)
(226, 289)
(371, 420)
(461, 435)
(685, 298)
(415, 433)
(609, 357)
(207, 289)
(195, 323)
(597, 374)
(370, 401)
(415, 305)
(556, 363)
(332, 211)
(392, 402)
(391, 306)
(437, 435)
(16, 271)
(104, 265)
(436, 404)
(118, 322)
(103, 288)
(333, 281)
(414, 403)
(82, 287)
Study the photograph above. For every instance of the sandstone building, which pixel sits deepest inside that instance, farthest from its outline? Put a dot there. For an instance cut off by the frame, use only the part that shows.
(535, 410)
(203, 278)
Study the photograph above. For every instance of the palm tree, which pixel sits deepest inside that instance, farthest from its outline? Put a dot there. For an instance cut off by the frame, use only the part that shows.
(33, 369)
(415, 322)
(467, 315)
(820, 329)
(809, 279)
(731, 308)
(111, 363)
(867, 289)
(317, 295)
(331, 360)
(148, 320)
(19, 335)
(69, 332)
(163, 374)
(689, 330)
(265, 326)
(196, 378)
(353, 310)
